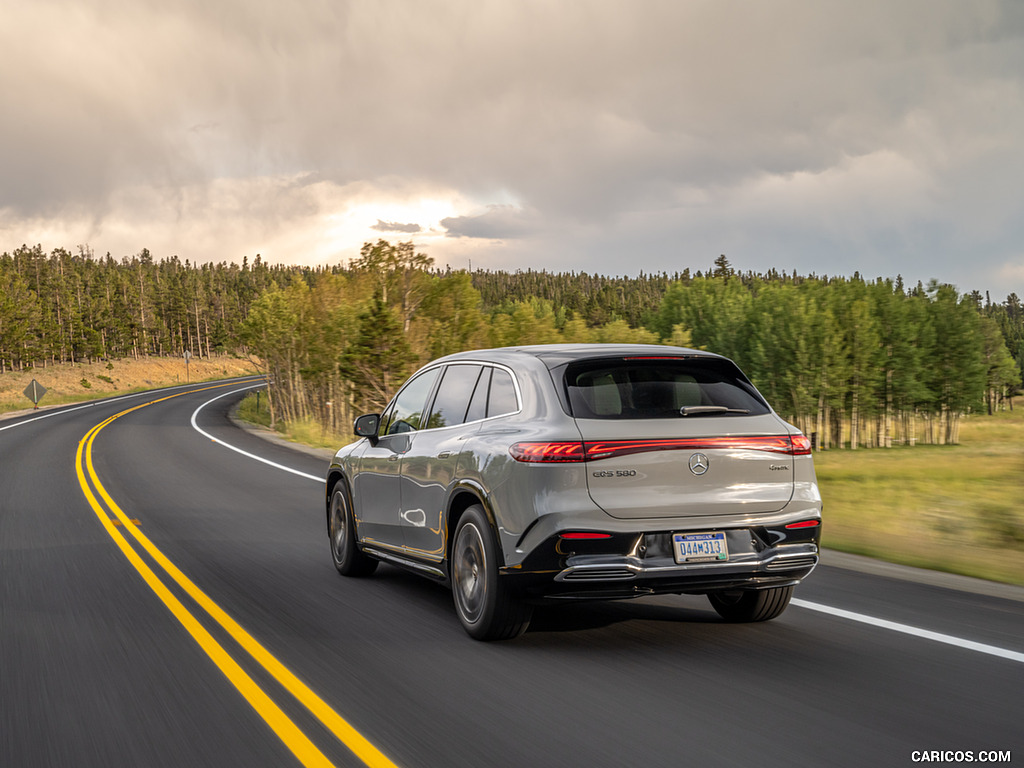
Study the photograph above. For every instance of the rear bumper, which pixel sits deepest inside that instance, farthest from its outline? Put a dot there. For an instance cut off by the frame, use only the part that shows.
(599, 577)
(644, 565)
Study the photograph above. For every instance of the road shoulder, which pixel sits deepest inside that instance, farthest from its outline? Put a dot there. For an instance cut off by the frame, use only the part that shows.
(862, 564)
(273, 437)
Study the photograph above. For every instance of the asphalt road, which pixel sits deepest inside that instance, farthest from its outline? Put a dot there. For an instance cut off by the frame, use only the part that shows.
(259, 654)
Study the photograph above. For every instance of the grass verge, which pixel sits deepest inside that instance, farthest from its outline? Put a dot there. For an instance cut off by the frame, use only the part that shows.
(254, 409)
(956, 508)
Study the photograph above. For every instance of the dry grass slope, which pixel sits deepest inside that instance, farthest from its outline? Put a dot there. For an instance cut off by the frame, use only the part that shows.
(88, 381)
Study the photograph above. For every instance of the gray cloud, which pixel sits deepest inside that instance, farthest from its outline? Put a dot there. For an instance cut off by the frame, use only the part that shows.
(831, 136)
(497, 223)
(393, 226)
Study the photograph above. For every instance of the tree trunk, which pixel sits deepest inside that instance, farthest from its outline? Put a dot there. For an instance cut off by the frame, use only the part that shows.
(199, 333)
(855, 419)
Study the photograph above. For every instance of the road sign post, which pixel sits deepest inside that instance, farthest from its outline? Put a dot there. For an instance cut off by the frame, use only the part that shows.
(34, 392)
(186, 354)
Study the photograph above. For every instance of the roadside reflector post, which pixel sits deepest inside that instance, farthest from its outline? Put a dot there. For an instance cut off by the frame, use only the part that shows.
(34, 392)
(186, 354)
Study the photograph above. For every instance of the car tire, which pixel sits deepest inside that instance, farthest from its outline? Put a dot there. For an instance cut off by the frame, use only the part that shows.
(751, 604)
(483, 602)
(341, 530)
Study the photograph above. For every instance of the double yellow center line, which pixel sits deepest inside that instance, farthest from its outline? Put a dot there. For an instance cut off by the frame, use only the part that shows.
(289, 733)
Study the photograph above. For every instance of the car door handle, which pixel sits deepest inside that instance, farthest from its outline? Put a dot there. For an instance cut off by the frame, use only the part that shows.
(393, 457)
(444, 454)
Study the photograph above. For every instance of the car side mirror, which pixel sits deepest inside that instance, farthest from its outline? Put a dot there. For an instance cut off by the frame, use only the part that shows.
(367, 425)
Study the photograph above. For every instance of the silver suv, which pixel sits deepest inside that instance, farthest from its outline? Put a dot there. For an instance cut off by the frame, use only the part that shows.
(536, 473)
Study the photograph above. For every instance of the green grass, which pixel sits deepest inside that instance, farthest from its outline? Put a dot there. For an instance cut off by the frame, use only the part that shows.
(254, 409)
(957, 508)
(307, 432)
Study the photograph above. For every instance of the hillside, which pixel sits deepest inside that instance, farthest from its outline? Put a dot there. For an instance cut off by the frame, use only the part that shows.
(68, 382)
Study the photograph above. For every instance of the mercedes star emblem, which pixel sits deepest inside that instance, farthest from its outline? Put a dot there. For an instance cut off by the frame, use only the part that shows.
(698, 463)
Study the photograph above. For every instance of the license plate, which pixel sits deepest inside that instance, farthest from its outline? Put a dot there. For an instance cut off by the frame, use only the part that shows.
(700, 547)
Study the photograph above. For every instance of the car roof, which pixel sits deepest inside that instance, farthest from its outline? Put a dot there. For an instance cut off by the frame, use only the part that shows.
(554, 355)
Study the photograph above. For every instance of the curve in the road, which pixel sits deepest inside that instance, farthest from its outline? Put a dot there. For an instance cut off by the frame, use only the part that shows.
(253, 456)
(58, 411)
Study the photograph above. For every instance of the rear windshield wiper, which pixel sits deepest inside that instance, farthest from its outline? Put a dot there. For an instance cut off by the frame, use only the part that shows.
(708, 410)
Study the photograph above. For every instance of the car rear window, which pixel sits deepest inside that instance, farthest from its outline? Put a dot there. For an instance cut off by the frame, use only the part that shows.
(657, 388)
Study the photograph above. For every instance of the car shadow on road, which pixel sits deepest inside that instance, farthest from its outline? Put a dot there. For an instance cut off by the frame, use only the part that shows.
(568, 616)
(671, 619)
(573, 617)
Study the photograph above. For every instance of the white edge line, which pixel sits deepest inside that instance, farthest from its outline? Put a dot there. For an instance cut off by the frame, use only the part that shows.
(197, 428)
(906, 629)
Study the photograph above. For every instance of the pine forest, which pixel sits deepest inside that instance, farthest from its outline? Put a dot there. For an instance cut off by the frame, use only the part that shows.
(852, 362)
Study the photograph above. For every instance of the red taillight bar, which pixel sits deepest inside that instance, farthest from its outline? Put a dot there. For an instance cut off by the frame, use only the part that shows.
(793, 445)
(584, 535)
(606, 450)
(538, 452)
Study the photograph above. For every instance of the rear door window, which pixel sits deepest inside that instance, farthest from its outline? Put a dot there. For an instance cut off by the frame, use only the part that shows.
(655, 388)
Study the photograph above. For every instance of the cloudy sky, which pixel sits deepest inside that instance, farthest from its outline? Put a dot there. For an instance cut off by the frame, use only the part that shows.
(810, 135)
